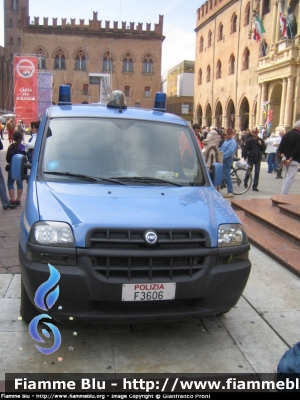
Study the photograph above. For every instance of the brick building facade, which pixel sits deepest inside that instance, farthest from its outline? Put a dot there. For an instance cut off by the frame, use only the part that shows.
(93, 58)
(234, 74)
(12, 45)
(6, 82)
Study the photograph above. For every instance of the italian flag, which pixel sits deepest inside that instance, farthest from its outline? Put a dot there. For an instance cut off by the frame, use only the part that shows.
(258, 29)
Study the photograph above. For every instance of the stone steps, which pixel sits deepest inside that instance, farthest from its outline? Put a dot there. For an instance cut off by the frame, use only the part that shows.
(273, 225)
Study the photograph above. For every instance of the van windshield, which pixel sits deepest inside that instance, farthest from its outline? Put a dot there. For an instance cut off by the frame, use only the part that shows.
(129, 151)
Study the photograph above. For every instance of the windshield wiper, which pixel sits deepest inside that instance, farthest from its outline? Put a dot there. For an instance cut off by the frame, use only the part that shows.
(85, 177)
(146, 180)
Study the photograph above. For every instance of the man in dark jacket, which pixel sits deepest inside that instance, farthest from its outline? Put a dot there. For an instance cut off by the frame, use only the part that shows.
(289, 150)
(252, 152)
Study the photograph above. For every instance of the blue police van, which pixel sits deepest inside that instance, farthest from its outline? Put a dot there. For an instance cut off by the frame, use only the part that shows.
(121, 203)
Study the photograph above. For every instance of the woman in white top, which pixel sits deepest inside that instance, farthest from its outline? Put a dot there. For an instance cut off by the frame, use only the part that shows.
(29, 147)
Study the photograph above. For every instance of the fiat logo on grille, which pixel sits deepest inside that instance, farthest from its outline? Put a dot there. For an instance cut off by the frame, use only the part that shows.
(150, 237)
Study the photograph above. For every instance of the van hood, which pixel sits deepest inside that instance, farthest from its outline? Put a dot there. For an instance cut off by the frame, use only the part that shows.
(86, 206)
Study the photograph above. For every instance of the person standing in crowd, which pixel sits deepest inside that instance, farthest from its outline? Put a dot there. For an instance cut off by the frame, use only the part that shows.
(289, 150)
(278, 158)
(223, 138)
(10, 126)
(3, 196)
(197, 132)
(29, 147)
(271, 150)
(21, 128)
(204, 132)
(228, 148)
(1, 129)
(15, 148)
(252, 153)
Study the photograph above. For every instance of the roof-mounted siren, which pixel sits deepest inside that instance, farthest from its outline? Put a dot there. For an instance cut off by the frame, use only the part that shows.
(64, 97)
(117, 100)
(160, 102)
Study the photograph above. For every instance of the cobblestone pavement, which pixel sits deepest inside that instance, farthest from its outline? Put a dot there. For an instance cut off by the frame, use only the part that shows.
(9, 219)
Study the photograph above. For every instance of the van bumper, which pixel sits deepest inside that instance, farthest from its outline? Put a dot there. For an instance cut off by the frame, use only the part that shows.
(88, 298)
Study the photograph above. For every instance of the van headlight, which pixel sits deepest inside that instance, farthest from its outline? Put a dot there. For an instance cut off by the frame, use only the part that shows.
(50, 233)
(231, 235)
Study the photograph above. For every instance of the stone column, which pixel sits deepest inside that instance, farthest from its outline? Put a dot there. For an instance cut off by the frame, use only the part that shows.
(283, 102)
(264, 97)
(214, 120)
(224, 121)
(238, 122)
(251, 121)
(289, 103)
(258, 108)
(275, 21)
(298, 24)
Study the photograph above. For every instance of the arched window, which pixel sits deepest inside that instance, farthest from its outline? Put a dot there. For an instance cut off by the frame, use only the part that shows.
(147, 92)
(10, 23)
(60, 60)
(263, 49)
(41, 58)
(231, 65)
(127, 91)
(80, 60)
(219, 70)
(200, 77)
(208, 74)
(247, 15)
(11, 40)
(209, 39)
(147, 65)
(107, 64)
(220, 32)
(19, 41)
(266, 7)
(233, 27)
(127, 63)
(246, 59)
(201, 44)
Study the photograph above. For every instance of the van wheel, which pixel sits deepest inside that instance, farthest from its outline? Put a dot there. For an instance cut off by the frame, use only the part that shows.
(27, 310)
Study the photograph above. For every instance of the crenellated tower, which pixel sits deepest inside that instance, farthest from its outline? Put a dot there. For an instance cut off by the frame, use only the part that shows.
(12, 24)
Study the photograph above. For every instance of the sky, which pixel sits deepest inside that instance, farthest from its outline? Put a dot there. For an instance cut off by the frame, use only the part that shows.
(178, 28)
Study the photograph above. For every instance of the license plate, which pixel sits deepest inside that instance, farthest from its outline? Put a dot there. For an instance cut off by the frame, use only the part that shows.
(148, 291)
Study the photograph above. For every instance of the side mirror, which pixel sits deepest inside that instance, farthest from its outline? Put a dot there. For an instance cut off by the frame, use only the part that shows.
(216, 173)
(19, 167)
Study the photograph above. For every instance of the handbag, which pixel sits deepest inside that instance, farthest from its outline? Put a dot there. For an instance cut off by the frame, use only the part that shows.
(1, 145)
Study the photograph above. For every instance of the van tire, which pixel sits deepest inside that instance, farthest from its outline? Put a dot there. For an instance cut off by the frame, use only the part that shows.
(27, 310)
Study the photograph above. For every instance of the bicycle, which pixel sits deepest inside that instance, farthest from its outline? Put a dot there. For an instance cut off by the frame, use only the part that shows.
(241, 178)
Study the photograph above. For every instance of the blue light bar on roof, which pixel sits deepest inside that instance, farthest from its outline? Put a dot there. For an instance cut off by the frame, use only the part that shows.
(64, 97)
(160, 101)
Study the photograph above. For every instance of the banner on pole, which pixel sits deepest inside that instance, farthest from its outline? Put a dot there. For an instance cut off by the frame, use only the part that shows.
(26, 88)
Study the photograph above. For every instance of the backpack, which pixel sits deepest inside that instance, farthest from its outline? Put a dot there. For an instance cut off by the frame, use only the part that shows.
(13, 149)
